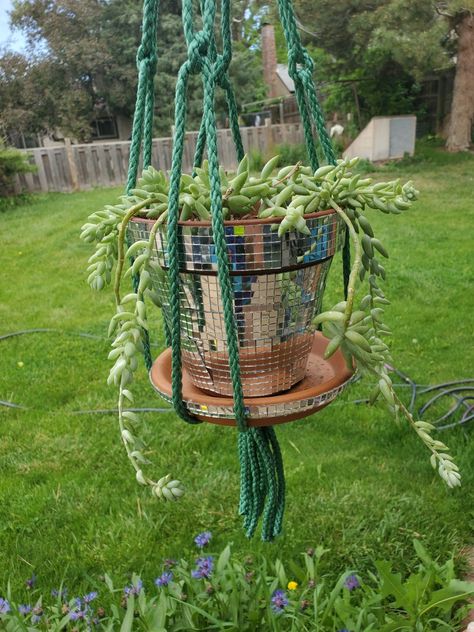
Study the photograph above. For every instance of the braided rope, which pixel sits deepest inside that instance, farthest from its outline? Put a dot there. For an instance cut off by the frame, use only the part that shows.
(218, 234)
(221, 67)
(147, 58)
(148, 123)
(258, 486)
(173, 271)
(222, 77)
(142, 129)
(262, 483)
(300, 69)
(200, 146)
(278, 460)
(198, 61)
(245, 484)
(306, 120)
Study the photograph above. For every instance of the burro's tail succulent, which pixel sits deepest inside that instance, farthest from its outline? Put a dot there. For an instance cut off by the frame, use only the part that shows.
(289, 196)
(360, 332)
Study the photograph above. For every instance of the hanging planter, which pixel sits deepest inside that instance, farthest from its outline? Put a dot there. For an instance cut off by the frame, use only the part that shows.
(238, 266)
(277, 287)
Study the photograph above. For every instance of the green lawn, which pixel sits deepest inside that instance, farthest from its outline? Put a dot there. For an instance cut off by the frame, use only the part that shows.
(357, 483)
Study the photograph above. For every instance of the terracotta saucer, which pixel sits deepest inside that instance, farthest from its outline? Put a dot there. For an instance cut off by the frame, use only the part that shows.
(323, 381)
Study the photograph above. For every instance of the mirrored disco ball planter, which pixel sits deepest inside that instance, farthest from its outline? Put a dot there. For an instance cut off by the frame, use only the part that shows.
(278, 285)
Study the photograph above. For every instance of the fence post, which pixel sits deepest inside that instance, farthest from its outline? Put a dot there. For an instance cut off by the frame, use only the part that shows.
(268, 137)
(72, 165)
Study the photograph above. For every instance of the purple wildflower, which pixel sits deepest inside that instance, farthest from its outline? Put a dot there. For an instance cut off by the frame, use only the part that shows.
(352, 582)
(37, 614)
(24, 609)
(82, 611)
(204, 566)
(164, 579)
(279, 601)
(77, 615)
(61, 593)
(90, 597)
(133, 589)
(202, 539)
(4, 606)
(29, 583)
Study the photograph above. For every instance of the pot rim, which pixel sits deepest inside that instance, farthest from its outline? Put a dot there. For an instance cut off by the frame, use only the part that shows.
(254, 221)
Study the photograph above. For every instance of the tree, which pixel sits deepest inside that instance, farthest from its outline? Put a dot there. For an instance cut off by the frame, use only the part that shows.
(33, 98)
(353, 77)
(384, 48)
(461, 20)
(424, 37)
(86, 51)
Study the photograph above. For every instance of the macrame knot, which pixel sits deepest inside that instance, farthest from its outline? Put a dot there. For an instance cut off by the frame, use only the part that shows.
(147, 58)
(299, 62)
(197, 51)
(147, 65)
(221, 66)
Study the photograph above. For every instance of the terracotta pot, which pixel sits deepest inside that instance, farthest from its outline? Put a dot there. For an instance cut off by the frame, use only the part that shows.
(323, 381)
(278, 285)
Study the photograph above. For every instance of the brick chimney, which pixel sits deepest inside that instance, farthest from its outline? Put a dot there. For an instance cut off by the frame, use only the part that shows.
(269, 58)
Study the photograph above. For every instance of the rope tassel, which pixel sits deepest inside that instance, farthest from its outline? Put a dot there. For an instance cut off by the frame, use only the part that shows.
(262, 482)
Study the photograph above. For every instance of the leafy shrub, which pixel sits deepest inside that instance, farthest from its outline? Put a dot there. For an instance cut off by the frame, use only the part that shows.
(13, 201)
(223, 592)
(339, 143)
(12, 162)
(256, 160)
(291, 154)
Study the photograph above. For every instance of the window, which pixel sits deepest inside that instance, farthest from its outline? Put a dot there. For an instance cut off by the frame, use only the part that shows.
(104, 127)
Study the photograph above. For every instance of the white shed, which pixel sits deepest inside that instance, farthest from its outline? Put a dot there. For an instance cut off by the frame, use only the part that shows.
(384, 138)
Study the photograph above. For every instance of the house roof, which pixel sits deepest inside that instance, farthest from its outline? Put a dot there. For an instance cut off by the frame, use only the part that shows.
(282, 72)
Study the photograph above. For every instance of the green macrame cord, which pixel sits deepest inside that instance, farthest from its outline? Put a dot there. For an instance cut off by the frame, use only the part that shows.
(142, 129)
(262, 482)
(221, 66)
(300, 69)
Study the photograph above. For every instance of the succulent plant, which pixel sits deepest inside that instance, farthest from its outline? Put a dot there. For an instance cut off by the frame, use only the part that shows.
(289, 196)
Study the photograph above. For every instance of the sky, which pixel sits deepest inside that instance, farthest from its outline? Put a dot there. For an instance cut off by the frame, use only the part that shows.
(8, 39)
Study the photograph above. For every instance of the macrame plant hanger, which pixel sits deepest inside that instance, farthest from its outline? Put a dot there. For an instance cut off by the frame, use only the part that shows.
(262, 483)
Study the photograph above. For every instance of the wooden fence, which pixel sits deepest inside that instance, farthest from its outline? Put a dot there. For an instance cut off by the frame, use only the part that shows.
(77, 167)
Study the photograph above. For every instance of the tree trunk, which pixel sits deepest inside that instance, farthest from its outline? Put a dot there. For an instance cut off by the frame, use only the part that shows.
(462, 108)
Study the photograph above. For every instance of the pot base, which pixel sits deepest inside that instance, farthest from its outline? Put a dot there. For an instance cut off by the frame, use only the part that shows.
(323, 381)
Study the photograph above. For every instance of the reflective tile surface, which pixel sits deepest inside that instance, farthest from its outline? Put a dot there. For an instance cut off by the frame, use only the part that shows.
(274, 303)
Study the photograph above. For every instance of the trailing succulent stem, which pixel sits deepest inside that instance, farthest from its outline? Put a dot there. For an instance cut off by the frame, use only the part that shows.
(359, 335)
(287, 197)
(128, 324)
